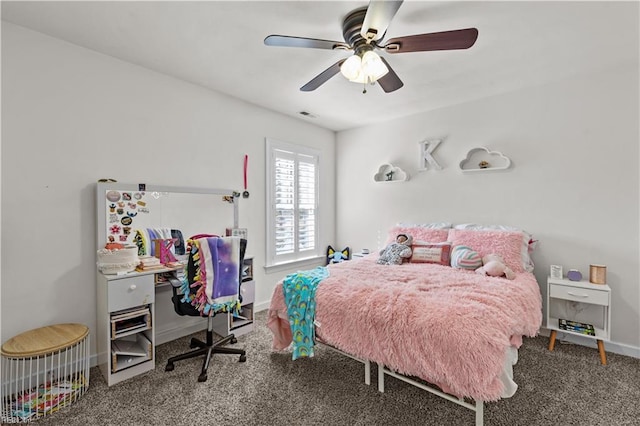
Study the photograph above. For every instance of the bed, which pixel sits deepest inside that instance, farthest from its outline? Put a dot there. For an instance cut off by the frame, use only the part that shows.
(428, 321)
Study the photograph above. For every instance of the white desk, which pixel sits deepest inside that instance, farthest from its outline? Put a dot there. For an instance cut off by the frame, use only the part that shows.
(116, 293)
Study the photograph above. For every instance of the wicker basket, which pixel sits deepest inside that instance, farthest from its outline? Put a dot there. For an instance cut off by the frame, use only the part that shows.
(43, 370)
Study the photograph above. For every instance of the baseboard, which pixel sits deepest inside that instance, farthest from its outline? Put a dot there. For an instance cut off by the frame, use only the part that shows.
(164, 336)
(262, 306)
(616, 348)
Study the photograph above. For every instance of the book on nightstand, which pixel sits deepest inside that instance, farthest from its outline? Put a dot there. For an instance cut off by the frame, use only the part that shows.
(576, 327)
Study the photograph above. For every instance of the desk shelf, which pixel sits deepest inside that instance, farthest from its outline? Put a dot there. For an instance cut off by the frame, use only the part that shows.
(125, 315)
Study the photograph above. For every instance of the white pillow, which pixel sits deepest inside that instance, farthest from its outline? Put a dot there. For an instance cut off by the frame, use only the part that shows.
(528, 244)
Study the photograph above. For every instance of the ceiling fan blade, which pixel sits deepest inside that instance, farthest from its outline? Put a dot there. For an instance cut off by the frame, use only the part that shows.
(446, 40)
(378, 18)
(323, 77)
(291, 41)
(390, 81)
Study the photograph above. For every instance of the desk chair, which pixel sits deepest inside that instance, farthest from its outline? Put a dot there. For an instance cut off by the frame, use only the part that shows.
(183, 308)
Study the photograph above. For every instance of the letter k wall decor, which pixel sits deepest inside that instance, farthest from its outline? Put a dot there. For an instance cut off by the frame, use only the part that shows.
(426, 158)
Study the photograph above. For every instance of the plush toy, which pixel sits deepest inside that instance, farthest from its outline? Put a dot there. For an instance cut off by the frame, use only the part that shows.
(494, 266)
(396, 252)
(337, 256)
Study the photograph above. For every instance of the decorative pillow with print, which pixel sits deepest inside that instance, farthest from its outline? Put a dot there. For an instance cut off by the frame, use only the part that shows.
(463, 257)
(428, 252)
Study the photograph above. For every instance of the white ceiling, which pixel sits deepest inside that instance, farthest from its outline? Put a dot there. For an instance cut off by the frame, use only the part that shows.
(219, 45)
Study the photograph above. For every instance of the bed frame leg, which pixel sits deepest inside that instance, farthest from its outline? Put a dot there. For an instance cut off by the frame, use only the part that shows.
(479, 413)
(380, 378)
(367, 372)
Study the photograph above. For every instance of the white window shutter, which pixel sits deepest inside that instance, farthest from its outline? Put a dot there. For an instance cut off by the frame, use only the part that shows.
(292, 219)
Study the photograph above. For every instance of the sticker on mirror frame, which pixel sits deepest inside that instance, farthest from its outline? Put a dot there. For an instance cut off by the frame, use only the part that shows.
(113, 196)
(126, 220)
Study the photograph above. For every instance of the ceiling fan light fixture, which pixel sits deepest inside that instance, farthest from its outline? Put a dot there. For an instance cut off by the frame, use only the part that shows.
(365, 69)
(351, 68)
(363, 30)
(372, 65)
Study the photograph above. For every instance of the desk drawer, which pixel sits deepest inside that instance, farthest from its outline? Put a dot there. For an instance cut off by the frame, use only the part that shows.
(130, 292)
(577, 294)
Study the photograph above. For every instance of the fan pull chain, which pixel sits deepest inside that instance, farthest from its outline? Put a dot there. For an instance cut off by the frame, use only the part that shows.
(364, 84)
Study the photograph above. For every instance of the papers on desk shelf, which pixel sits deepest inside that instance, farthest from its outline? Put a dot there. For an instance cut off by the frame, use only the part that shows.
(138, 347)
(130, 321)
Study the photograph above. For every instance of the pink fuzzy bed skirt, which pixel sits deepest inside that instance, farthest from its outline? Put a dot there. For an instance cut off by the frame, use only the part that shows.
(446, 326)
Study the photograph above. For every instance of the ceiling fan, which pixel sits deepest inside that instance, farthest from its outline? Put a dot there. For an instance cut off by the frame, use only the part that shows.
(363, 30)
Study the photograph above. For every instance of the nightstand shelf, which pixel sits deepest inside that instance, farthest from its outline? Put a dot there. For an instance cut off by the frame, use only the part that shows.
(583, 302)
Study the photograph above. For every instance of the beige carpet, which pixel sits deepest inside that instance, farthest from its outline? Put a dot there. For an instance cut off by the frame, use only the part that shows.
(564, 387)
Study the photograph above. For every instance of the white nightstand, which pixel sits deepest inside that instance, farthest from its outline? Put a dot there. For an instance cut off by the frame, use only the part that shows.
(359, 254)
(579, 301)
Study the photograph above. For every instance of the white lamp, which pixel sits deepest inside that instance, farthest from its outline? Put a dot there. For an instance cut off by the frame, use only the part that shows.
(367, 69)
(351, 67)
(373, 66)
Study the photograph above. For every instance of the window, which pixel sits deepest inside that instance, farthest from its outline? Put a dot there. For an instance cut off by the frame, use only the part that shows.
(292, 202)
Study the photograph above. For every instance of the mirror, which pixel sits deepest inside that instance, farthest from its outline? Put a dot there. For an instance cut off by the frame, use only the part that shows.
(124, 208)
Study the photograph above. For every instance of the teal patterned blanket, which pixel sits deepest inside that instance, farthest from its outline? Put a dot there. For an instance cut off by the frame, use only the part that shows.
(300, 297)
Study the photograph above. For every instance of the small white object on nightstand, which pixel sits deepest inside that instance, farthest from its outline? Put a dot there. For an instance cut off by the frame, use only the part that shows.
(361, 253)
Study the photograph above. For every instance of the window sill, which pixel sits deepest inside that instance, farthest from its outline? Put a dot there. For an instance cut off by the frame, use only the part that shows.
(309, 261)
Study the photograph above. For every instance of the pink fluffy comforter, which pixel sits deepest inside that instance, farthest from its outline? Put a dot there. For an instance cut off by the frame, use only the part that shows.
(447, 326)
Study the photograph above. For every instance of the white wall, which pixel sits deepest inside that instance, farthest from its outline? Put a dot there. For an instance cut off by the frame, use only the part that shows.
(72, 116)
(574, 181)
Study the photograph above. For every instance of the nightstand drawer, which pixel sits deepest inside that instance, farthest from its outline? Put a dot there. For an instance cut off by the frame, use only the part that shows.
(578, 294)
(130, 292)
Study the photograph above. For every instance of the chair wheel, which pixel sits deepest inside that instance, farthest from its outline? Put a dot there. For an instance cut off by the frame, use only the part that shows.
(234, 340)
(243, 358)
(169, 367)
(202, 378)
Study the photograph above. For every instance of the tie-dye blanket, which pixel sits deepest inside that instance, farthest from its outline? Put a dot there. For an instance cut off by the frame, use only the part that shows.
(213, 279)
(300, 296)
(144, 238)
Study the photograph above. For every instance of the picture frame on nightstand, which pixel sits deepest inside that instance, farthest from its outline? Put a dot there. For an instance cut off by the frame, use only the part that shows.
(555, 271)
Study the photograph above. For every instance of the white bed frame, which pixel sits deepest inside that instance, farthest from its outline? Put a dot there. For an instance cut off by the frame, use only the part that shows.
(478, 407)
(366, 362)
